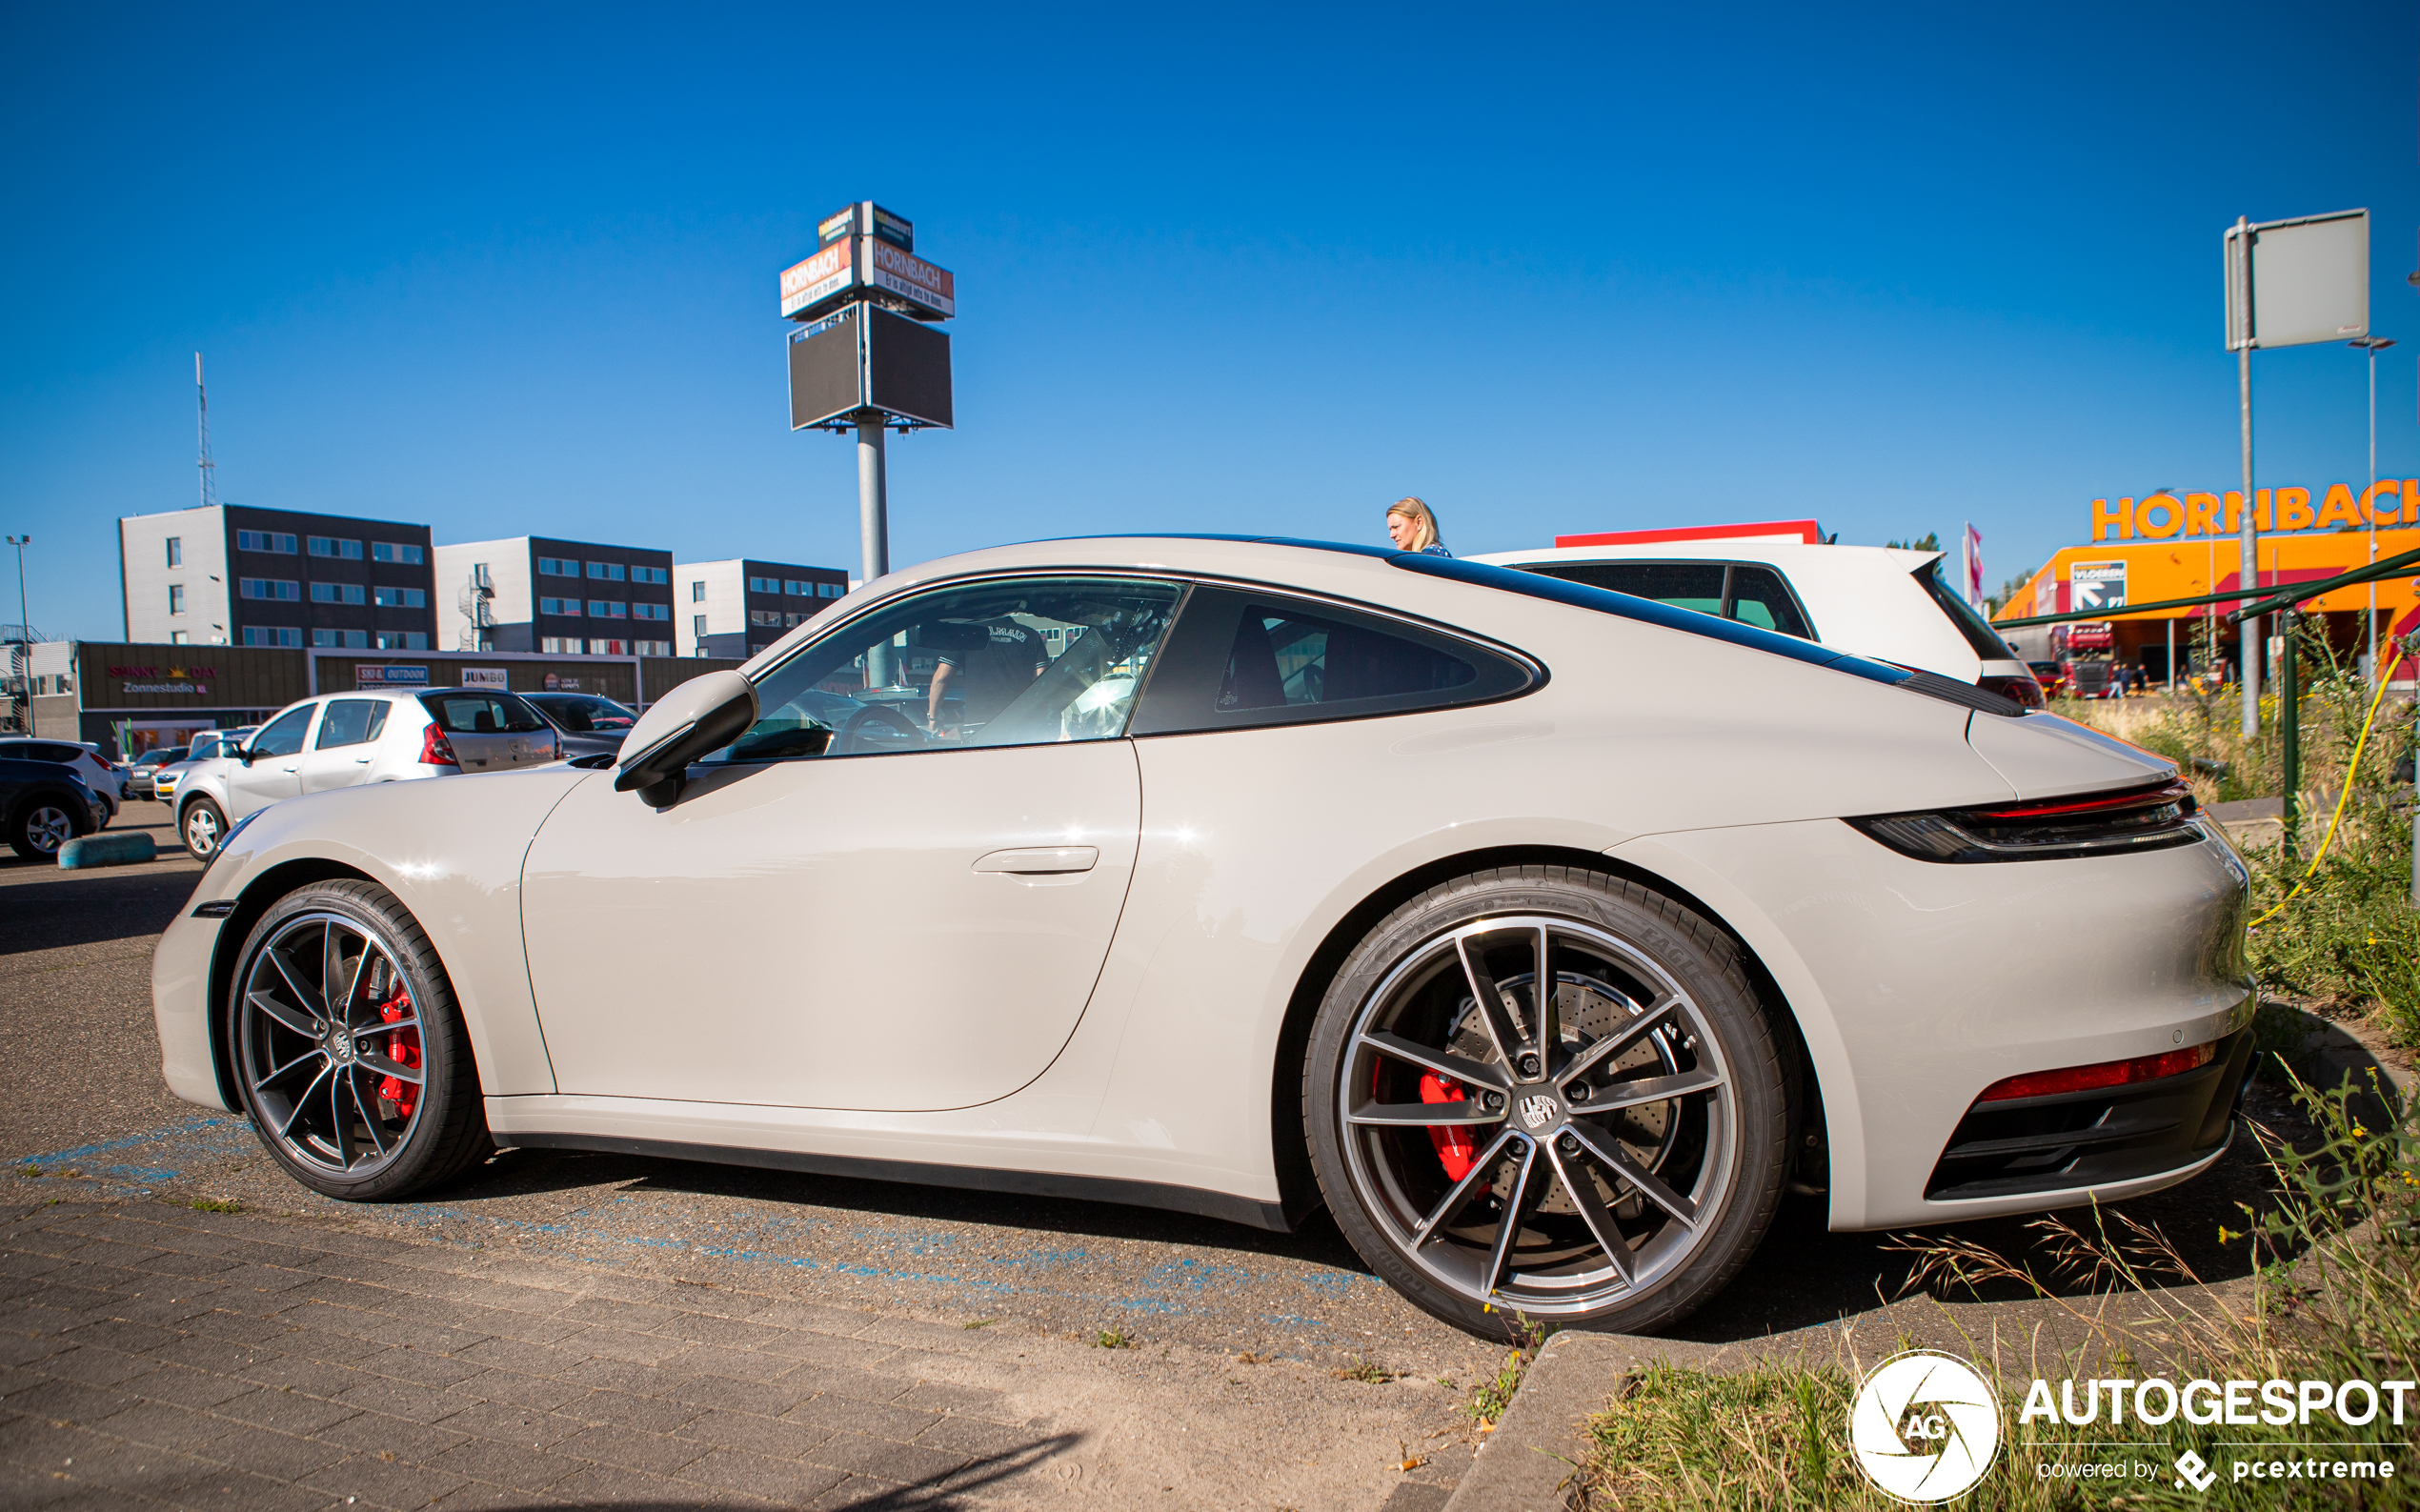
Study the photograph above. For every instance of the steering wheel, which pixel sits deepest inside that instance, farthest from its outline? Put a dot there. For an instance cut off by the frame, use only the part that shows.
(876, 727)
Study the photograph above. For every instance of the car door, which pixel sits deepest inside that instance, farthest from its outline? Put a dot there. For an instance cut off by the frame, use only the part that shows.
(348, 737)
(906, 912)
(275, 768)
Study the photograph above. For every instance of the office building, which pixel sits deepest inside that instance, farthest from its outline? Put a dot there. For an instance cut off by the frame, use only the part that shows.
(737, 608)
(228, 575)
(557, 597)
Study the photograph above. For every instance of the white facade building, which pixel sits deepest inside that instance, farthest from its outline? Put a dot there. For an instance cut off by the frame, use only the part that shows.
(738, 607)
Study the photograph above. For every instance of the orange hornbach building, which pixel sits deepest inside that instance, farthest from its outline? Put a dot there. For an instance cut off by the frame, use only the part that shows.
(2167, 546)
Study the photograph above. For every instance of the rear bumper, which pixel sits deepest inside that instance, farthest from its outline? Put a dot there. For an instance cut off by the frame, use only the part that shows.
(2030, 1146)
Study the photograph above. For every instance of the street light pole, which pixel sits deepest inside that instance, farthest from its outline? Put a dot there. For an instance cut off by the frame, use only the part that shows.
(2250, 634)
(2370, 500)
(24, 632)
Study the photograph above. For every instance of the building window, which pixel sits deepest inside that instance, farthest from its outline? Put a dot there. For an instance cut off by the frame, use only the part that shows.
(650, 574)
(265, 541)
(272, 636)
(764, 585)
(829, 590)
(180, 637)
(697, 591)
(403, 640)
(355, 638)
(697, 626)
(608, 609)
(559, 606)
(390, 551)
(277, 588)
(560, 645)
(651, 611)
(338, 593)
(176, 551)
(403, 598)
(609, 648)
(177, 598)
(764, 616)
(335, 546)
(651, 648)
(557, 566)
(608, 572)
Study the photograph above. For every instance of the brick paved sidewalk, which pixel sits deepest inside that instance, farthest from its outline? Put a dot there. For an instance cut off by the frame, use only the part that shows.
(214, 1360)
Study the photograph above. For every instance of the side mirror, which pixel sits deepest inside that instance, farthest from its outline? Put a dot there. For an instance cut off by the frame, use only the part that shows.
(245, 754)
(704, 714)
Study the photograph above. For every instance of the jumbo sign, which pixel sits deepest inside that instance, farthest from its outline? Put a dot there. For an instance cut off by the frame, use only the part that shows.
(2166, 517)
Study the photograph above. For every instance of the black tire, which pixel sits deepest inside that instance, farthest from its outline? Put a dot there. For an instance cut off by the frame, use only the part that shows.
(1671, 1006)
(41, 825)
(201, 824)
(442, 1134)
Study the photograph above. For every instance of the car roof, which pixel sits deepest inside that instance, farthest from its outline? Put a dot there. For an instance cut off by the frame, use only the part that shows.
(1334, 567)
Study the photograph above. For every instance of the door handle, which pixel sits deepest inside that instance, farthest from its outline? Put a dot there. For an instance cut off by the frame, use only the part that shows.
(361, 762)
(1043, 861)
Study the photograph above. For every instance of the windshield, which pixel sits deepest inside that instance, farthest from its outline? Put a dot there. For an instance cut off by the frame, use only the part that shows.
(471, 713)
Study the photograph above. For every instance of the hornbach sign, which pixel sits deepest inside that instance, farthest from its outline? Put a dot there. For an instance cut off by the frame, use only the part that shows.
(2341, 506)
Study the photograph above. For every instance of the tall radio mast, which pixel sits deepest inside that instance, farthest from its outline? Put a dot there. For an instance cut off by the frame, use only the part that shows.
(201, 402)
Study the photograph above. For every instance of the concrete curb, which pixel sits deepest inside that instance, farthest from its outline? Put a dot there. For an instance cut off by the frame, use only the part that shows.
(1534, 1450)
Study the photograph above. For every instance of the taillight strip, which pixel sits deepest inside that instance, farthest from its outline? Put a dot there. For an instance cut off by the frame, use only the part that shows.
(2171, 791)
(2103, 1073)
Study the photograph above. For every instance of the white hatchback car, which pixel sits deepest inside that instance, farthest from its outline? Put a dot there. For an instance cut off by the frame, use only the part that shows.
(1543, 934)
(348, 740)
(1877, 601)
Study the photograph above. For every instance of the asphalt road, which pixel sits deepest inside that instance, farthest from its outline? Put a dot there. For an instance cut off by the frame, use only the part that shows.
(80, 1093)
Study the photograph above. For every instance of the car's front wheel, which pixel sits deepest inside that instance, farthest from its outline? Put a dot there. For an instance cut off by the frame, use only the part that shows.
(1551, 1094)
(348, 1052)
(203, 826)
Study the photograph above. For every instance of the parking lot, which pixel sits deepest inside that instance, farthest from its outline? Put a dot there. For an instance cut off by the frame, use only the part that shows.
(687, 1333)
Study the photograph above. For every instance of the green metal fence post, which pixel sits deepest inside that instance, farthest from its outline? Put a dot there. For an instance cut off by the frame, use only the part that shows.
(2290, 724)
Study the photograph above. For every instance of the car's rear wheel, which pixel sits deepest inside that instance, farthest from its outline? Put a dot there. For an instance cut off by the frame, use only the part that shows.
(202, 826)
(1603, 1155)
(348, 1052)
(40, 828)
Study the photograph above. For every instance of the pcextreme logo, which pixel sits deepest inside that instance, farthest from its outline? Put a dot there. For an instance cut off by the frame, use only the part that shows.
(1925, 1426)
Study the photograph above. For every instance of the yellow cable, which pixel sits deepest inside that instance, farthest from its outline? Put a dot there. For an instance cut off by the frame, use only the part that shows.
(2352, 769)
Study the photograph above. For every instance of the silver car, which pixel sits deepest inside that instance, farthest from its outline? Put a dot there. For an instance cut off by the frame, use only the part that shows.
(347, 739)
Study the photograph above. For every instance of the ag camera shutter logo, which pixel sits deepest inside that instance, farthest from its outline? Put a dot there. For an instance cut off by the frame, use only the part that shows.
(1925, 1426)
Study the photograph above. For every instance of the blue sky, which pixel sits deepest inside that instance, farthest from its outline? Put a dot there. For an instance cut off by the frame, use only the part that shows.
(513, 269)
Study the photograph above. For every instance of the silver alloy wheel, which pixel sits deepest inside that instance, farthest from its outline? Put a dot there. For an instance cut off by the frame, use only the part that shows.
(201, 829)
(48, 827)
(1594, 1146)
(329, 1045)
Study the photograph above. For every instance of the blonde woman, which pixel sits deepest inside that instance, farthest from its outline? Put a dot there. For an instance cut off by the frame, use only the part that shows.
(1413, 526)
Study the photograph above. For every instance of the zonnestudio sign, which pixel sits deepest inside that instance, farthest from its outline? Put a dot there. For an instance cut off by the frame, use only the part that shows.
(1926, 1426)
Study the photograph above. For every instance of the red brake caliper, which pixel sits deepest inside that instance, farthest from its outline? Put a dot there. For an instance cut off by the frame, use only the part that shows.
(403, 1048)
(1456, 1150)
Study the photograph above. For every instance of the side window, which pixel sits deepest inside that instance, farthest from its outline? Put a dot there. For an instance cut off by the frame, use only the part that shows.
(1759, 597)
(351, 721)
(1241, 659)
(284, 733)
(1019, 661)
(1742, 591)
(1684, 585)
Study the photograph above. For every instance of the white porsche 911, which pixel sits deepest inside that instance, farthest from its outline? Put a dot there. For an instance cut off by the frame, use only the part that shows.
(1544, 934)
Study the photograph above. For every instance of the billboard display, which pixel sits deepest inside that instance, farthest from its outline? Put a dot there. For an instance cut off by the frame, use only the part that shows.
(827, 368)
(911, 278)
(828, 272)
(908, 369)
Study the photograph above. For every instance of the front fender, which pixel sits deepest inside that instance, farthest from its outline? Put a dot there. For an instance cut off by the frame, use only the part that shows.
(450, 850)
